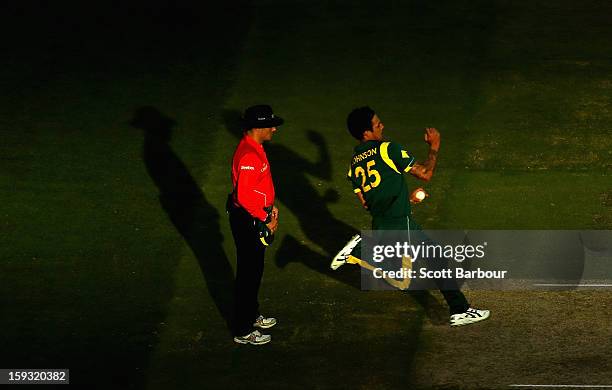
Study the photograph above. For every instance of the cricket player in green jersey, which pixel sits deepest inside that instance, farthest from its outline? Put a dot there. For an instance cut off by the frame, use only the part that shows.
(377, 175)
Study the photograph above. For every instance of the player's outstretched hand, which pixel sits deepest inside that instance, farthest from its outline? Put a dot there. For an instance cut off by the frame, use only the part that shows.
(432, 137)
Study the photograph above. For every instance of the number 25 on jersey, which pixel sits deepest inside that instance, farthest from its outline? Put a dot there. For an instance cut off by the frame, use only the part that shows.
(373, 177)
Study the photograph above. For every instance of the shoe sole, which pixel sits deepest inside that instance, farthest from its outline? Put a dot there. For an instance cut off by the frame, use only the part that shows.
(471, 321)
(337, 262)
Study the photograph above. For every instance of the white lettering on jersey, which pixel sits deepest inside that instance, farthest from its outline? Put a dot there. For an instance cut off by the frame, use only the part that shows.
(247, 167)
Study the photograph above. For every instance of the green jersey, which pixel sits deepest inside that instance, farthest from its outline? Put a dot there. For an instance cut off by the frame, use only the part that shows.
(377, 172)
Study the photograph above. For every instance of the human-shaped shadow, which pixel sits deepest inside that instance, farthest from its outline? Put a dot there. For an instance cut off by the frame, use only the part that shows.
(186, 206)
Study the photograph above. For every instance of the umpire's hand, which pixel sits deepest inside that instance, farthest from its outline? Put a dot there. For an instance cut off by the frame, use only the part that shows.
(273, 224)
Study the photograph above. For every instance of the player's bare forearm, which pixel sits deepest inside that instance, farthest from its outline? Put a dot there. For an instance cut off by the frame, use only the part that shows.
(425, 170)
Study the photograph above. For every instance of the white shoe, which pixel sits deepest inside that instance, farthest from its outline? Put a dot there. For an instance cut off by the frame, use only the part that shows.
(254, 338)
(264, 323)
(470, 316)
(344, 253)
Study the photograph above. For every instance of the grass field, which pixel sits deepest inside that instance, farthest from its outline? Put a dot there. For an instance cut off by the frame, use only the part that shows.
(116, 255)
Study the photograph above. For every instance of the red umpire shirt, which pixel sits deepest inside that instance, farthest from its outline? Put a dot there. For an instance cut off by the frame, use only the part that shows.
(251, 178)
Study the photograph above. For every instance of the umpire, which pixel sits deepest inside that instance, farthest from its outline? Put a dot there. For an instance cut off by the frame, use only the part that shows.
(253, 219)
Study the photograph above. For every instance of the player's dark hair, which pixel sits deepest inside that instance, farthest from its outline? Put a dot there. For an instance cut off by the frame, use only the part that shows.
(360, 120)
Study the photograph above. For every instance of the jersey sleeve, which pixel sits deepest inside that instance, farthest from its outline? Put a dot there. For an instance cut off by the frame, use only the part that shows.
(350, 176)
(394, 155)
(249, 171)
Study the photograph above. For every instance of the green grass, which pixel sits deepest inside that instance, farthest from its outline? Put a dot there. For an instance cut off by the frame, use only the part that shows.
(98, 274)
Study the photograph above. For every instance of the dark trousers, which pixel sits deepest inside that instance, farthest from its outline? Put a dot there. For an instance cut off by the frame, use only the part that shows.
(457, 303)
(249, 270)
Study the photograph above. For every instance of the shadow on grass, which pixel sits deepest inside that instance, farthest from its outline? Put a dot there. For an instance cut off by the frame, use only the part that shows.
(184, 202)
